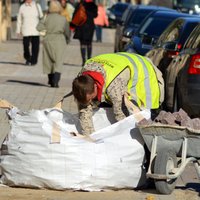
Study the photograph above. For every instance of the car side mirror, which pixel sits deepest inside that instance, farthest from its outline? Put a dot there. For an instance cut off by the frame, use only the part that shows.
(129, 33)
(154, 41)
(169, 45)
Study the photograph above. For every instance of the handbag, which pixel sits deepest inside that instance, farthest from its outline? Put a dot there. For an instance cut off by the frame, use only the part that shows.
(80, 16)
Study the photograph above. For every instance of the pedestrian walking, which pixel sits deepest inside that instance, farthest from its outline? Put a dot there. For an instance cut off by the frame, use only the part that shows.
(113, 77)
(100, 21)
(64, 11)
(85, 32)
(28, 17)
(70, 8)
(54, 43)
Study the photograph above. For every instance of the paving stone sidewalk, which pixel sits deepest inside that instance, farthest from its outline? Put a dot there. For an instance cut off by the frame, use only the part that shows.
(26, 88)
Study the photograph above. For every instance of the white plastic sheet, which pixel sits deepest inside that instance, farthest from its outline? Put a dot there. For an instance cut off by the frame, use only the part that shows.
(34, 159)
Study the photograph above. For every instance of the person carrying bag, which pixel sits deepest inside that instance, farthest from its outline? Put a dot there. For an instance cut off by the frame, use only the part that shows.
(41, 18)
(84, 31)
(80, 16)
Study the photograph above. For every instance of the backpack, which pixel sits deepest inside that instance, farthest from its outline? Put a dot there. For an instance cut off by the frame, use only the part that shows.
(80, 16)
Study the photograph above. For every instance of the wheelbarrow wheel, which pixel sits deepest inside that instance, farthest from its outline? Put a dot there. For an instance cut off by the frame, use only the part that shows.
(165, 161)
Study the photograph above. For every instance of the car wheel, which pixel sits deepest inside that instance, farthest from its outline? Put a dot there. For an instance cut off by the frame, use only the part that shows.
(165, 162)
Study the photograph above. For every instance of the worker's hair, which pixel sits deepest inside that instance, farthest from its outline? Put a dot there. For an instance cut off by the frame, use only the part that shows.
(82, 86)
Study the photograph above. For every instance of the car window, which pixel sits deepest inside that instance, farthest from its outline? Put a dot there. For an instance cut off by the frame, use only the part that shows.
(193, 38)
(137, 17)
(120, 8)
(154, 26)
(188, 29)
(197, 43)
(127, 13)
(171, 33)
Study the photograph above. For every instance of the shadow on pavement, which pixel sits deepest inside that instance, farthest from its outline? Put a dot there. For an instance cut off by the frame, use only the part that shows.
(191, 186)
(74, 65)
(27, 83)
(11, 63)
(147, 191)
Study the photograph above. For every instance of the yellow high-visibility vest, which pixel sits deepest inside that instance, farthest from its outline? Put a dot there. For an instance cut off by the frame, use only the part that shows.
(143, 83)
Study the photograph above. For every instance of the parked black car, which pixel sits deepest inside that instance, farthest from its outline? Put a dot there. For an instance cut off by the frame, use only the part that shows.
(183, 78)
(171, 41)
(150, 30)
(187, 6)
(130, 21)
(115, 13)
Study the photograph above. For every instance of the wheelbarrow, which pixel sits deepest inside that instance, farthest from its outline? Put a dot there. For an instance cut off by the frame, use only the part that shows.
(171, 149)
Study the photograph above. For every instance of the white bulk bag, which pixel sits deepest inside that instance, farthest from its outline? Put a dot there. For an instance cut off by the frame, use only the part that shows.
(41, 152)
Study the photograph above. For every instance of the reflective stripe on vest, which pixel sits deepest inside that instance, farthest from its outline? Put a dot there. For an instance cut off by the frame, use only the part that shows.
(135, 79)
(135, 76)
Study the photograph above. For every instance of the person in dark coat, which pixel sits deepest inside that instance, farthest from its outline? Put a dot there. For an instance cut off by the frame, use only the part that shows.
(85, 32)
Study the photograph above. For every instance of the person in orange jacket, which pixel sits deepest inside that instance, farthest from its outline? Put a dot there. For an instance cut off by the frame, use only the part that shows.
(100, 21)
(64, 11)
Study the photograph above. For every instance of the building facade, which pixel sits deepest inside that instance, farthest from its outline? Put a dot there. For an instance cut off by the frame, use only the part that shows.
(5, 19)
